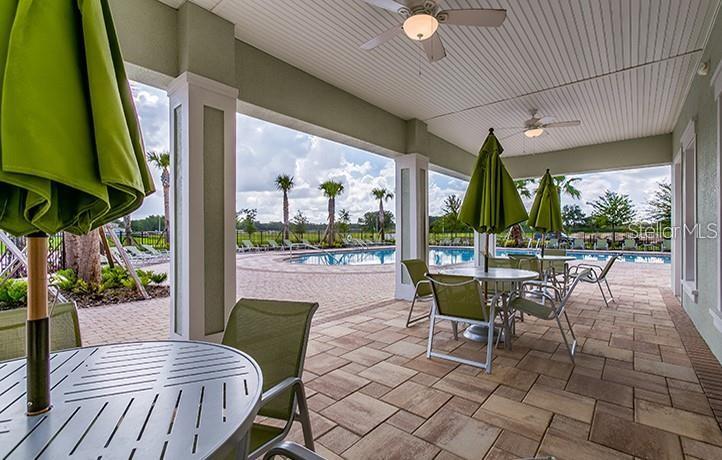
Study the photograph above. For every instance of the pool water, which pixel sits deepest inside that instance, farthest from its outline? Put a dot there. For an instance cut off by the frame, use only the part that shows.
(448, 256)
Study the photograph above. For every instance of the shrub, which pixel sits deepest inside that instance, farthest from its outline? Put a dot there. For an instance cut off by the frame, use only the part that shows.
(13, 291)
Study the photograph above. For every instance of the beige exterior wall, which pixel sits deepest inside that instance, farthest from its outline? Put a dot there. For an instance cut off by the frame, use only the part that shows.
(700, 107)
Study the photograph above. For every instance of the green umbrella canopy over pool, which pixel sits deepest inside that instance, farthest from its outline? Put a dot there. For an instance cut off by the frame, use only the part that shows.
(546, 214)
(491, 203)
(71, 152)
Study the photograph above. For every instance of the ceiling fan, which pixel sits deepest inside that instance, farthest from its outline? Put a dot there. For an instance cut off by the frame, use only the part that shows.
(422, 19)
(535, 126)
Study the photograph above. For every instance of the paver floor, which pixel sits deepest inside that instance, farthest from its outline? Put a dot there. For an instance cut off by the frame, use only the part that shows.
(373, 394)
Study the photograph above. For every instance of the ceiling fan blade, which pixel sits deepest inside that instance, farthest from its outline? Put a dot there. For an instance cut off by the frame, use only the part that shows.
(473, 17)
(434, 48)
(383, 38)
(390, 5)
(496, 128)
(563, 124)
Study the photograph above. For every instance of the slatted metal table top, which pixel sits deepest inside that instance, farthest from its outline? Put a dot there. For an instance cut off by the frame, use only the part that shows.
(169, 399)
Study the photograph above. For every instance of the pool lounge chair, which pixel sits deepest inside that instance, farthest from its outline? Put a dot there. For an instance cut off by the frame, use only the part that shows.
(288, 244)
(272, 245)
(552, 243)
(578, 243)
(308, 245)
(593, 274)
(601, 245)
(629, 244)
(137, 254)
(249, 246)
(156, 252)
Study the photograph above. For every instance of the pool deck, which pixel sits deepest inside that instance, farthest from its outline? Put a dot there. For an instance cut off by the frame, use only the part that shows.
(640, 388)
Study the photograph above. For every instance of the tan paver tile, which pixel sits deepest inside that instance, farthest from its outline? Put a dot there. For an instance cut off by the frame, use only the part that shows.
(690, 401)
(516, 444)
(701, 450)
(666, 370)
(459, 434)
(466, 386)
(359, 413)
(406, 349)
(599, 389)
(405, 421)
(337, 384)
(569, 428)
(387, 374)
(338, 439)
(375, 390)
(417, 399)
(678, 421)
(435, 367)
(511, 376)
(539, 365)
(323, 363)
(389, 443)
(561, 402)
(634, 438)
(518, 417)
(574, 449)
(366, 356)
(601, 348)
(636, 379)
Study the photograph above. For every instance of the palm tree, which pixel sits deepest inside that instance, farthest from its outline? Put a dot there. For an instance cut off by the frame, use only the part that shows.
(566, 186)
(331, 189)
(284, 182)
(128, 230)
(382, 195)
(161, 160)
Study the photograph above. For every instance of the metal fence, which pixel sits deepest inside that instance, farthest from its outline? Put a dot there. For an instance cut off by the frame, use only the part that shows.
(56, 254)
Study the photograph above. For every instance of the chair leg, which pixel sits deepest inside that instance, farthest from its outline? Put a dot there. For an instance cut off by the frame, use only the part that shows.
(599, 283)
(570, 348)
(304, 417)
(432, 322)
(455, 328)
(410, 321)
(489, 347)
(611, 296)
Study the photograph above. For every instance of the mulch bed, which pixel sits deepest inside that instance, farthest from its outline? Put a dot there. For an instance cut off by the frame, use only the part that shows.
(115, 296)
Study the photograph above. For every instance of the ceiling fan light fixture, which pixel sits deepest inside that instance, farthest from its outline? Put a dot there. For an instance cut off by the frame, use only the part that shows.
(420, 26)
(533, 132)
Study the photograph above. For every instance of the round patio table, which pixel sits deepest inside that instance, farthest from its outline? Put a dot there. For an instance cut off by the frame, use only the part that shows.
(166, 399)
(493, 275)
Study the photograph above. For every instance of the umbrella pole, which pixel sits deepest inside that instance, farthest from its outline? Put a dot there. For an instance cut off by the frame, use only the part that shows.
(38, 333)
(543, 241)
(486, 253)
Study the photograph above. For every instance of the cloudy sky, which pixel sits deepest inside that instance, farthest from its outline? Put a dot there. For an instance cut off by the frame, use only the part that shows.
(265, 150)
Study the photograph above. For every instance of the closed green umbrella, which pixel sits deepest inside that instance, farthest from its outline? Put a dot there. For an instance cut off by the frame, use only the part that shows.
(546, 214)
(71, 153)
(491, 203)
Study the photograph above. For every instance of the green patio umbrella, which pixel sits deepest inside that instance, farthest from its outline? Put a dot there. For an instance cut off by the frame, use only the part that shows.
(71, 153)
(491, 203)
(546, 214)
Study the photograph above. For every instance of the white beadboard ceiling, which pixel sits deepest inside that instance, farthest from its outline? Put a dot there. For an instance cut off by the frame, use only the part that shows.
(622, 67)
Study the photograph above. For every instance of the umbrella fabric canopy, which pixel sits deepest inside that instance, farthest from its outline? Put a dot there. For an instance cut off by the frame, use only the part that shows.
(71, 153)
(546, 214)
(491, 203)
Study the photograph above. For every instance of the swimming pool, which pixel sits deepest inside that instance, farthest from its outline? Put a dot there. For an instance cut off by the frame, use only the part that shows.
(447, 256)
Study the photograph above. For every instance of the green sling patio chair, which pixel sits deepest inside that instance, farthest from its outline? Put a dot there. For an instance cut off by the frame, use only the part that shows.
(558, 267)
(417, 269)
(578, 243)
(275, 334)
(546, 301)
(593, 274)
(64, 330)
(526, 262)
(459, 299)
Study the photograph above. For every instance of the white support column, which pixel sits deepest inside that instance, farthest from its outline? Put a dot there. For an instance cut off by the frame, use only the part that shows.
(480, 247)
(412, 217)
(203, 182)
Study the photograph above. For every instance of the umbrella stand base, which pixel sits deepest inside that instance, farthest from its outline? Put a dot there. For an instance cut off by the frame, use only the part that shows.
(38, 366)
(480, 334)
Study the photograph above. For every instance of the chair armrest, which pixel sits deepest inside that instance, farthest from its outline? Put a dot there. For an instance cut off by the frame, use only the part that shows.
(592, 268)
(280, 387)
(292, 451)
